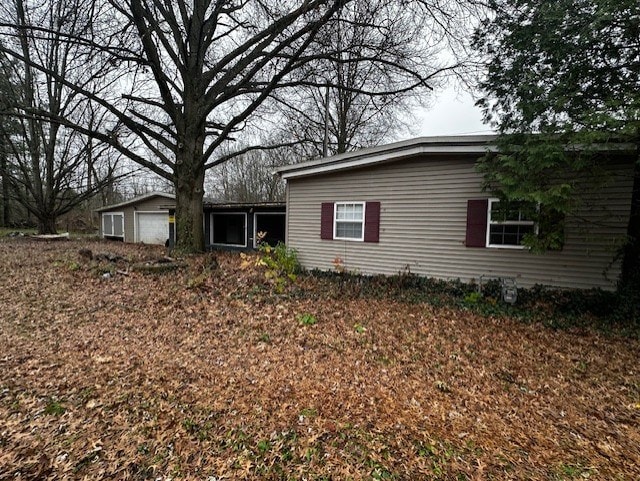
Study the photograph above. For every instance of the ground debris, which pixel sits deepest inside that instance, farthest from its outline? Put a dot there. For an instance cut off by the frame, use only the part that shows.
(157, 266)
(203, 375)
(107, 257)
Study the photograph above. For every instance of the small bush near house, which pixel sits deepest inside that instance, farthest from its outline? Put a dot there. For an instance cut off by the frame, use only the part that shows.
(282, 265)
(281, 259)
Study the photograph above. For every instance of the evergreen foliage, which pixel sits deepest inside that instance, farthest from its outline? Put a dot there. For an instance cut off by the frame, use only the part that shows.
(563, 85)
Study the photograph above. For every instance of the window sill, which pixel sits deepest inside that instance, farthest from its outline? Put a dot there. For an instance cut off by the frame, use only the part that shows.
(499, 246)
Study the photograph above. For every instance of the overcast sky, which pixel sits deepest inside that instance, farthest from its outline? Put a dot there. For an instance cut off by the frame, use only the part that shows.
(453, 113)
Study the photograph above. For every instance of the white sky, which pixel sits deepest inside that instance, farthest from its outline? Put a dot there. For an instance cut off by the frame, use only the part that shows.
(453, 113)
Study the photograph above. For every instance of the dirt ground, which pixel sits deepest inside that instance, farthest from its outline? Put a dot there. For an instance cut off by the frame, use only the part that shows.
(206, 373)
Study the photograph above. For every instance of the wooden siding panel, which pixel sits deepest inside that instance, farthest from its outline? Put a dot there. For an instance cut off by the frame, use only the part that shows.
(423, 227)
(129, 229)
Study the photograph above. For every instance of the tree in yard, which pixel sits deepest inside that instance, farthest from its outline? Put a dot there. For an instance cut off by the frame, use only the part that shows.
(197, 73)
(559, 74)
(5, 218)
(250, 177)
(199, 70)
(6, 125)
(363, 95)
(50, 168)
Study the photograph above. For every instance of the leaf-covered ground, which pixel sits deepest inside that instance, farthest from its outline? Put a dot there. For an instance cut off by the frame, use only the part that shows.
(205, 373)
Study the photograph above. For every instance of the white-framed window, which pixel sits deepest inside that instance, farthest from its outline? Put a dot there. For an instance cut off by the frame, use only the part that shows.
(506, 228)
(229, 229)
(348, 221)
(113, 224)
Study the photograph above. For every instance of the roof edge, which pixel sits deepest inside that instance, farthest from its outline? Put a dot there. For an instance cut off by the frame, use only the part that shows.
(462, 144)
(139, 198)
(243, 204)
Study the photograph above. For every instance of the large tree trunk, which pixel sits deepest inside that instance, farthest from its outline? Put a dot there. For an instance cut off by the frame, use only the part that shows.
(189, 229)
(47, 226)
(189, 184)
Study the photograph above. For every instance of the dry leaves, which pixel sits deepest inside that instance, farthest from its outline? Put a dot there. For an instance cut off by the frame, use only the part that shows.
(204, 373)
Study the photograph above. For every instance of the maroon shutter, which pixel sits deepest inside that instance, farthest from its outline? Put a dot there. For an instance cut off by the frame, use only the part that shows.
(372, 222)
(326, 221)
(477, 223)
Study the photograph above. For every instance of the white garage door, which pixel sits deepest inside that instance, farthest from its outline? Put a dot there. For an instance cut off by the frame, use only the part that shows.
(153, 227)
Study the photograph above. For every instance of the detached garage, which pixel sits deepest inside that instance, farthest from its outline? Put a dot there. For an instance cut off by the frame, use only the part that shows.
(142, 219)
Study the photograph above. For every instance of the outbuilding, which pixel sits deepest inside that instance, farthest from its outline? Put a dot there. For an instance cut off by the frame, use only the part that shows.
(241, 225)
(142, 219)
(418, 206)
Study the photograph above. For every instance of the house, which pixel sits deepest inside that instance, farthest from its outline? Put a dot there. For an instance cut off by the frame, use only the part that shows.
(418, 206)
(142, 219)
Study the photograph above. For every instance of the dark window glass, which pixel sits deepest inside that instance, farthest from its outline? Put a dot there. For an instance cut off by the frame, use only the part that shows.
(273, 227)
(229, 229)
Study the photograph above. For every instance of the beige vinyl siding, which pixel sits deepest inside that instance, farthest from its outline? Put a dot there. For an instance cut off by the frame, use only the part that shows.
(423, 226)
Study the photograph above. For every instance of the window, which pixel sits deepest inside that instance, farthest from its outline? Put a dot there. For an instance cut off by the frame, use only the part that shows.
(349, 221)
(229, 229)
(113, 224)
(358, 221)
(506, 227)
(272, 224)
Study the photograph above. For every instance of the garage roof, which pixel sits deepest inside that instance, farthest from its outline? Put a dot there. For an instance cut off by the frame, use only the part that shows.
(135, 200)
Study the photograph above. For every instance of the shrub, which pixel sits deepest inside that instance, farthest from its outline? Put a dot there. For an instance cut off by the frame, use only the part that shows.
(281, 259)
(473, 298)
(282, 265)
(552, 307)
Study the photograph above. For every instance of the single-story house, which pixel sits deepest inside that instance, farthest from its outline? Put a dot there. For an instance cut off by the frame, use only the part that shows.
(418, 206)
(142, 219)
(237, 225)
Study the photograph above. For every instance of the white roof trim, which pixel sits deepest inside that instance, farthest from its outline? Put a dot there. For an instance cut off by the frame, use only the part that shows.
(478, 144)
(135, 200)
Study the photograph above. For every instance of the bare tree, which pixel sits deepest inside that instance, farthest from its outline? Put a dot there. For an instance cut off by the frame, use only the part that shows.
(363, 95)
(197, 73)
(6, 125)
(54, 168)
(250, 177)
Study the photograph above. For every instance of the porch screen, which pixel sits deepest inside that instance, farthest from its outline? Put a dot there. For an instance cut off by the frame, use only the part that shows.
(229, 229)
